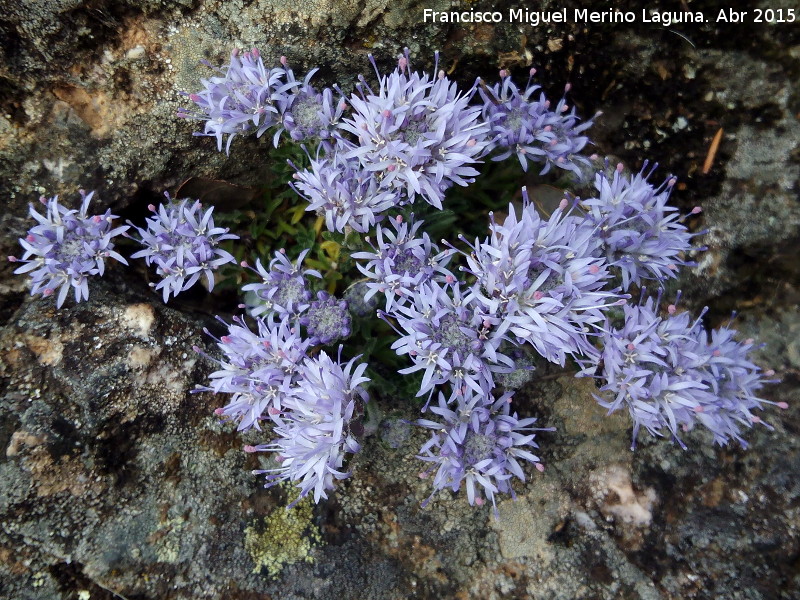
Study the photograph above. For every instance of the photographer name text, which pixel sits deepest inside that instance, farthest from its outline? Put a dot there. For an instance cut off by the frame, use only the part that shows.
(610, 16)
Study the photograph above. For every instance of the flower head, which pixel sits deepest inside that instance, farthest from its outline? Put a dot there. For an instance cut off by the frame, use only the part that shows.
(66, 247)
(480, 446)
(327, 319)
(641, 234)
(182, 241)
(417, 133)
(259, 369)
(345, 193)
(528, 128)
(542, 278)
(315, 428)
(670, 375)
(401, 262)
(283, 288)
(241, 99)
(444, 332)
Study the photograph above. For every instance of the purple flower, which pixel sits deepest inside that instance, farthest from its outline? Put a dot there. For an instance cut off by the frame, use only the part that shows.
(66, 247)
(529, 129)
(345, 193)
(315, 428)
(282, 288)
(734, 381)
(479, 445)
(305, 113)
(258, 369)
(543, 280)
(641, 234)
(242, 99)
(182, 241)
(670, 376)
(417, 134)
(445, 334)
(326, 319)
(401, 262)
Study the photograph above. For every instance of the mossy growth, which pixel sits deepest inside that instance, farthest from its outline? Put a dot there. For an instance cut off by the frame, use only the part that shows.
(284, 537)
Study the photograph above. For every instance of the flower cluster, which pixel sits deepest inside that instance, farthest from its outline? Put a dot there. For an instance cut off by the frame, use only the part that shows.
(283, 288)
(670, 376)
(537, 286)
(417, 133)
(528, 128)
(313, 402)
(478, 445)
(182, 241)
(66, 248)
(642, 236)
(543, 280)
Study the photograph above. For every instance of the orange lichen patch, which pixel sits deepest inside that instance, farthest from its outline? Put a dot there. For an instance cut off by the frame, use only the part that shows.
(20, 439)
(48, 352)
(711, 494)
(91, 109)
(66, 475)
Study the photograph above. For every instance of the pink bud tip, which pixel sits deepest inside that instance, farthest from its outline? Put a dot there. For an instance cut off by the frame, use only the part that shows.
(698, 409)
(244, 264)
(620, 167)
(537, 295)
(219, 411)
(749, 341)
(282, 250)
(449, 279)
(563, 205)
(769, 373)
(716, 353)
(540, 467)
(30, 237)
(630, 346)
(225, 339)
(622, 301)
(194, 97)
(471, 142)
(547, 103)
(441, 74)
(487, 323)
(755, 419)
(782, 405)
(548, 128)
(398, 219)
(423, 475)
(97, 219)
(391, 168)
(479, 501)
(594, 269)
(255, 53)
(197, 349)
(672, 181)
(567, 87)
(273, 411)
(249, 448)
(565, 108)
(593, 157)
(503, 73)
(671, 309)
(284, 61)
(672, 267)
(151, 207)
(532, 72)
(12, 259)
(342, 105)
(42, 199)
(697, 210)
(387, 113)
(47, 292)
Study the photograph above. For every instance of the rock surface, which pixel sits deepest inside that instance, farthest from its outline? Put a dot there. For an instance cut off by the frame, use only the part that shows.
(116, 481)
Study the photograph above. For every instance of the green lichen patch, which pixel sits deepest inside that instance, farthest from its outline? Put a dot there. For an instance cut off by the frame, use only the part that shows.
(285, 537)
